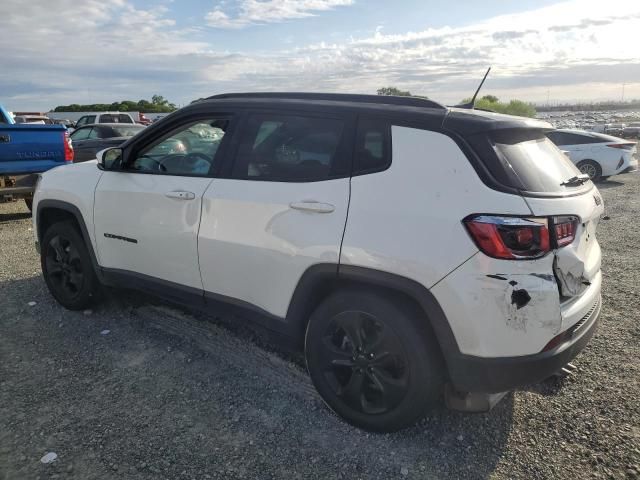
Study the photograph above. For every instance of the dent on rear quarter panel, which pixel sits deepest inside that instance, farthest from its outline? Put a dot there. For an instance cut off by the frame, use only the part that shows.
(501, 307)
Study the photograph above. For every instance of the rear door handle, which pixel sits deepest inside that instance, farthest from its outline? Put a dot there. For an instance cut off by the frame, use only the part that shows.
(180, 195)
(5, 138)
(311, 206)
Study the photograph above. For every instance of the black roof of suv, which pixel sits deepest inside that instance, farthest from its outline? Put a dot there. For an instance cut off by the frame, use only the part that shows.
(460, 120)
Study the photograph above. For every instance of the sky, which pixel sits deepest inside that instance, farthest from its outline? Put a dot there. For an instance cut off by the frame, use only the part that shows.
(99, 51)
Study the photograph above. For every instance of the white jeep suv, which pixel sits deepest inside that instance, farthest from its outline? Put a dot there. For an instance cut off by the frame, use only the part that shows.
(404, 245)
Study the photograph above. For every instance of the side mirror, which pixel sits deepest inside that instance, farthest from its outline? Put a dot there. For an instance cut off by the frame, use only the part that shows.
(109, 158)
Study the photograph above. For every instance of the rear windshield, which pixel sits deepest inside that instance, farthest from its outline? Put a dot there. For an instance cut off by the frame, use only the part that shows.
(526, 160)
(115, 118)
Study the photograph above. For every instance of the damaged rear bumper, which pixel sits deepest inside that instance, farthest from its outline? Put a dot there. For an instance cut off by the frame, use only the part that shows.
(491, 375)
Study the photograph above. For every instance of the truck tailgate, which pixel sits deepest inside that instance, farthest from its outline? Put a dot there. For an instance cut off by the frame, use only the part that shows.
(31, 148)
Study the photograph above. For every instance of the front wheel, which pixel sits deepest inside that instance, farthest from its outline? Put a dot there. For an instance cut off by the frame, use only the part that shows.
(67, 268)
(372, 360)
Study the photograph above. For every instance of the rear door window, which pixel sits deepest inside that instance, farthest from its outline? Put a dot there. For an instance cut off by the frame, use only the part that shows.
(288, 148)
(81, 133)
(123, 118)
(526, 160)
(373, 146)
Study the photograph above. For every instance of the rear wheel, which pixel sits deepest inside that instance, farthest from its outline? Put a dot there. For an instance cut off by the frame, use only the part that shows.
(591, 168)
(67, 267)
(371, 361)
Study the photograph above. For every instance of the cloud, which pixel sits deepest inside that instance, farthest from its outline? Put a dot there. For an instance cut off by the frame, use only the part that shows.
(65, 51)
(256, 12)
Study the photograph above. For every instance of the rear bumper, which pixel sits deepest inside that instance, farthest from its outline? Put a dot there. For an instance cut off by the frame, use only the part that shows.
(492, 375)
(18, 185)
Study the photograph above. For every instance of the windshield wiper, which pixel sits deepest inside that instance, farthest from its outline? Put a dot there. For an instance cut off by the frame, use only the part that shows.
(576, 180)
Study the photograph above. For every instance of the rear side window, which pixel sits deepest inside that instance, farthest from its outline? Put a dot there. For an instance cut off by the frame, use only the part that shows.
(566, 138)
(288, 148)
(82, 133)
(115, 118)
(373, 146)
(526, 160)
(87, 119)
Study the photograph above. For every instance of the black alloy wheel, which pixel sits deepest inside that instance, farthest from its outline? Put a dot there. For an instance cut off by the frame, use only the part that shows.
(67, 267)
(364, 363)
(64, 267)
(373, 358)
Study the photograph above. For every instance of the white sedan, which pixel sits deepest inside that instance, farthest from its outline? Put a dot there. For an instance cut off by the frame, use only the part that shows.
(596, 154)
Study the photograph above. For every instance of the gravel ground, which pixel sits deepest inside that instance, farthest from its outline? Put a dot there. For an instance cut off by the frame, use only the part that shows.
(138, 389)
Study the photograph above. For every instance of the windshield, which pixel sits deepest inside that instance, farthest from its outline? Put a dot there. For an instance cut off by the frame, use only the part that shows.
(127, 131)
(527, 160)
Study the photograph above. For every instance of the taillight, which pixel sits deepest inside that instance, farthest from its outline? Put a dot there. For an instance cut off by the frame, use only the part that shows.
(564, 229)
(622, 146)
(513, 238)
(68, 148)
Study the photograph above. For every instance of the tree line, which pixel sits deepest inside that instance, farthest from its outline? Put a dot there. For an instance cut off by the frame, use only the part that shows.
(488, 102)
(158, 104)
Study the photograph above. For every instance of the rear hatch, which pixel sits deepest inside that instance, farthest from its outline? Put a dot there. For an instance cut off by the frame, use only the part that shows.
(520, 159)
(29, 148)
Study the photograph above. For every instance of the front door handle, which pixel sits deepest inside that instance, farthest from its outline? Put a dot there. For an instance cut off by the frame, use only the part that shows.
(5, 138)
(311, 206)
(180, 195)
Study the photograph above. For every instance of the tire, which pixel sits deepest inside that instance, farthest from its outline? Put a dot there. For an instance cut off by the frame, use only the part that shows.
(372, 360)
(67, 268)
(29, 203)
(591, 168)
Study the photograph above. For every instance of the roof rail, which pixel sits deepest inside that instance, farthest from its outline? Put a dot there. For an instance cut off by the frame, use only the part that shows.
(336, 97)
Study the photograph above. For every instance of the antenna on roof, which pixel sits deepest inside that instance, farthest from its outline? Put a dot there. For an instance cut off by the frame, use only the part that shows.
(472, 102)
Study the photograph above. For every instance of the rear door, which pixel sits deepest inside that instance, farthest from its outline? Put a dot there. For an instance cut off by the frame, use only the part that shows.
(84, 140)
(97, 139)
(281, 208)
(575, 144)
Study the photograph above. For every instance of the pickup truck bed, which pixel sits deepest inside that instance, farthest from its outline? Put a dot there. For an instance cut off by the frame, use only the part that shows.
(29, 148)
(26, 150)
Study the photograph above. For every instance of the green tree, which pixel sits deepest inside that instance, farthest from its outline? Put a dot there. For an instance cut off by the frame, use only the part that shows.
(514, 107)
(158, 104)
(393, 91)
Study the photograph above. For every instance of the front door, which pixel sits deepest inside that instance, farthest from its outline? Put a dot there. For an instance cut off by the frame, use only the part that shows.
(147, 215)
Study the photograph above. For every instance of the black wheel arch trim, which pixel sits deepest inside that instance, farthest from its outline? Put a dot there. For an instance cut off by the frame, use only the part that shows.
(316, 275)
(75, 211)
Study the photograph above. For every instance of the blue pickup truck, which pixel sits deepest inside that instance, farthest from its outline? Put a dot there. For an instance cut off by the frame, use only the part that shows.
(27, 150)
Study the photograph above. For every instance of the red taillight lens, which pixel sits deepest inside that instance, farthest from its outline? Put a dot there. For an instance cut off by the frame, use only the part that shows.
(509, 237)
(68, 148)
(565, 229)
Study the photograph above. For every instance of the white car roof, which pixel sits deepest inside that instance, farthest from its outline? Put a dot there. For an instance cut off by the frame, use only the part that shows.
(605, 138)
